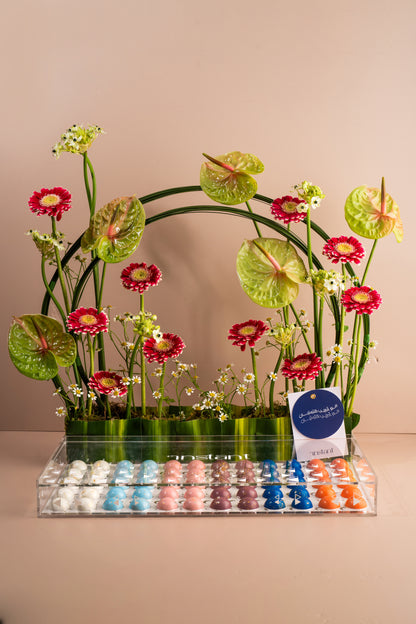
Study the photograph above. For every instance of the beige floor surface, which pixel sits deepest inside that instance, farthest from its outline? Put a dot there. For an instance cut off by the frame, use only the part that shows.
(288, 570)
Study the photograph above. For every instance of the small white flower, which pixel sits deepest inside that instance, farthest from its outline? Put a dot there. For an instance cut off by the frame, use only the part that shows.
(60, 411)
(116, 393)
(78, 392)
(182, 366)
(136, 379)
(158, 372)
(212, 394)
(157, 394)
(57, 392)
(241, 389)
(125, 380)
(197, 407)
(373, 344)
(272, 376)
(157, 335)
(249, 378)
(92, 396)
(223, 379)
(222, 416)
(189, 390)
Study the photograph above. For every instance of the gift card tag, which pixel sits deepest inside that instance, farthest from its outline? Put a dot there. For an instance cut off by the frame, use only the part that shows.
(318, 423)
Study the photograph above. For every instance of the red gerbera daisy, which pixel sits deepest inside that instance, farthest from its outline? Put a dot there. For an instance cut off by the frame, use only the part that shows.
(106, 382)
(246, 333)
(344, 249)
(52, 202)
(87, 321)
(286, 209)
(305, 366)
(140, 276)
(168, 346)
(361, 299)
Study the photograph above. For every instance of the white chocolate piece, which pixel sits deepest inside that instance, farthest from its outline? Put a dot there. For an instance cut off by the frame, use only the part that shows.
(86, 504)
(60, 504)
(68, 492)
(91, 492)
(78, 464)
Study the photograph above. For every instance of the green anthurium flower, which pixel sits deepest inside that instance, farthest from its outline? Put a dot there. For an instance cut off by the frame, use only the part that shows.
(270, 271)
(38, 345)
(115, 230)
(372, 213)
(228, 179)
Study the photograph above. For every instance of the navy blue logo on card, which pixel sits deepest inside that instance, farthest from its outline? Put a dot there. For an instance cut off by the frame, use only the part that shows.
(318, 414)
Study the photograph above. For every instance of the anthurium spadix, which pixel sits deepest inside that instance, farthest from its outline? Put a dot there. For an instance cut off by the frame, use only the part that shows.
(372, 213)
(115, 230)
(38, 345)
(270, 271)
(228, 179)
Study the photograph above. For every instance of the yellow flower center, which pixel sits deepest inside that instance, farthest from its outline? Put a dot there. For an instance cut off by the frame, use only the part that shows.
(247, 330)
(345, 248)
(163, 345)
(361, 297)
(88, 319)
(139, 274)
(50, 200)
(301, 364)
(289, 207)
(108, 382)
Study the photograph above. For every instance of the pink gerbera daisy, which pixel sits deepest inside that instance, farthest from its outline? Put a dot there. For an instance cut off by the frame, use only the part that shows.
(305, 366)
(87, 321)
(289, 209)
(246, 333)
(139, 277)
(361, 299)
(159, 350)
(106, 382)
(52, 202)
(344, 249)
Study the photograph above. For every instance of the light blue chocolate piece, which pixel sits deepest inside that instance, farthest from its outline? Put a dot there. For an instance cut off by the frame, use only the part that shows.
(143, 479)
(149, 464)
(143, 492)
(113, 504)
(125, 465)
(117, 491)
(139, 504)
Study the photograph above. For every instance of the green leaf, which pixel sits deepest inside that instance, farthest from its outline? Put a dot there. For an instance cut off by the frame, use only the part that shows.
(115, 230)
(368, 217)
(227, 180)
(38, 344)
(270, 271)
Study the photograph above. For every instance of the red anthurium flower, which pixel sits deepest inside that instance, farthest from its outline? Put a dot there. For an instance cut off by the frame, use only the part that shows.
(139, 277)
(289, 209)
(87, 321)
(344, 249)
(246, 333)
(106, 382)
(160, 350)
(52, 202)
(305, 366)
(361, 299)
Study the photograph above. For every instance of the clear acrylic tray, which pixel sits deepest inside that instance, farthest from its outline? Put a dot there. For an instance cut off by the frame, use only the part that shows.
(211, 476)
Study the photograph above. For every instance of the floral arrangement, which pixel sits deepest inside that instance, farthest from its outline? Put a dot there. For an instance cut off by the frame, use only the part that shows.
(271, 271)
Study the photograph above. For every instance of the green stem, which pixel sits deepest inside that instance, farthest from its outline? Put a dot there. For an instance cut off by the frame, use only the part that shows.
(131, 372)
(162, 391)
(143, 365)
(370, 257)
(254, 222)
(91, 353)
(355, 381)
(59, 267)
(321, 376)
(49, 291)
(256, 384)
(302, 329)
(273, 382)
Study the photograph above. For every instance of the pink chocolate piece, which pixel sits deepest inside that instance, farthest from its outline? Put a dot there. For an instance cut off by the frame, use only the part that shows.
(194, 491)
(193, 504)
(244, 464)
(167, 504)
(169, 492)
(196, 464)
(195, 477)
(173, 463)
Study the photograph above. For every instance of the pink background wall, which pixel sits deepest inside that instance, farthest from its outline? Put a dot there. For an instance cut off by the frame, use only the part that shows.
(320, 90)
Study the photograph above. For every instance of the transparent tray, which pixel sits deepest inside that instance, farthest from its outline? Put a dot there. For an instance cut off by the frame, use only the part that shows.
(143, 477)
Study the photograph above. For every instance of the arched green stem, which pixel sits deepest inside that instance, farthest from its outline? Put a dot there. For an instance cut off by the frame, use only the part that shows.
(273, 382)
(162, 391)
(256, 381)
(49, 291)
(254, 222)
(59, 268)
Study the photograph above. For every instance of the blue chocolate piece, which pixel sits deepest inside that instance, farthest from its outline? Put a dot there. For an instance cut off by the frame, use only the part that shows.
(116, 491)
(272, 491)
(113, 504)
(139, 504)
(299, 492)
(302, 503)
(125, 465)
(274, 503)
(149, 464)
(143, 492)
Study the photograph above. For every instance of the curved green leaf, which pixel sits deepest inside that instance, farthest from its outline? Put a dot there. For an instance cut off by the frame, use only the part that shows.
(115, 230)
(38, 344)
(367, 217)
(270, 271)
(227, 180)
